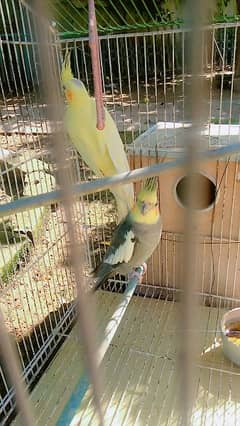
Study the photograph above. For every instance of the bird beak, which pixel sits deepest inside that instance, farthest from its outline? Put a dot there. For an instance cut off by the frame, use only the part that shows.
(144, 208)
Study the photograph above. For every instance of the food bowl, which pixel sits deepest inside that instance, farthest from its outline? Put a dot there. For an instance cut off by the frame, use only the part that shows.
(230, 329)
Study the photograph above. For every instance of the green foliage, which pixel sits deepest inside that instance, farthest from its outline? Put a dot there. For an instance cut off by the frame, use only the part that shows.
(72, 16)
(226, 7)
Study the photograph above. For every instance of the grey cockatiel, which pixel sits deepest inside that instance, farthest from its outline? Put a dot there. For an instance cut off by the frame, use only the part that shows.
(135, 238)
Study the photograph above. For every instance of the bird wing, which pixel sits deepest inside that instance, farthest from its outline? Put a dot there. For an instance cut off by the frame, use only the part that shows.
(124, 194)
(122, 246)
(114, 145)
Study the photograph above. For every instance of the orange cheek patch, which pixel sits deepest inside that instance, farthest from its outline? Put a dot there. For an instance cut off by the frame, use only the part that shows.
(69, 95)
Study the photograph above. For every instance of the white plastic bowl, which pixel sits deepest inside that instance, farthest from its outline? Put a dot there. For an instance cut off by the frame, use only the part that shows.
(230, 349)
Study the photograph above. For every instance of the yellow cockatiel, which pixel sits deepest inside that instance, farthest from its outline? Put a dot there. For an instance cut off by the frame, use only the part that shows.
(102, 150)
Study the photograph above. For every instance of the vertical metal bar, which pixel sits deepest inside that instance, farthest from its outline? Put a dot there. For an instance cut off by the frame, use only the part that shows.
(118, 47)
(236, 261)
(27, 137)
(173, 87)
(146, 80)
(100, 194)
(211, 86)
(137, 82)
(18, 45)
(223, 181)
(85, 64)
(195, 14)
(232, 82)
(84, 304)
(129, 83)
(164, 83)
(155, 76)
(14, 372)
(231, 233)
(183, 76)
(94, 46)
(222, 80)
(112, 81)
(76, 58)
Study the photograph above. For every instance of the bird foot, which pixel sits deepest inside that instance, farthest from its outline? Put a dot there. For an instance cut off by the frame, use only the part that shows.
(144, 265)
(138, 274)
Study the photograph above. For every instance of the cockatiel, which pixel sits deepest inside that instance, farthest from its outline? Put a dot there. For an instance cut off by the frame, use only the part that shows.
(102, 150)
(135, 238)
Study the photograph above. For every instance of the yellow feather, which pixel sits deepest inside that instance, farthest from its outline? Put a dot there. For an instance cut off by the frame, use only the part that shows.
(66, 74)
(147, 197)
(148, 219)
(102, 150)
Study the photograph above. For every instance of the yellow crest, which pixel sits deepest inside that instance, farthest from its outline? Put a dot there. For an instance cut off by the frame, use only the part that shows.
(66, 73)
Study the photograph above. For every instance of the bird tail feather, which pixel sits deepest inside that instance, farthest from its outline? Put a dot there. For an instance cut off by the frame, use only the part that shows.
(124, 197)
(100, 274)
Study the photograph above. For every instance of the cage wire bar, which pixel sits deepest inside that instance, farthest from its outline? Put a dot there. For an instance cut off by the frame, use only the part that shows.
(138, 104)
(189, 348)
(13, 368)
(134, 89)
(84, 304)
(98, 185)
(36, 348)
(34, 353)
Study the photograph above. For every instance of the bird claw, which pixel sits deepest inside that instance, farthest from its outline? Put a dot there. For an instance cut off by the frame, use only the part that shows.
(144, 265)
(138, 274)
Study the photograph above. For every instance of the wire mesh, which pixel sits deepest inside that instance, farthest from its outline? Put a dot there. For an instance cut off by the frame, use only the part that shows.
(145, 78)
(142, 378)
(141, 374)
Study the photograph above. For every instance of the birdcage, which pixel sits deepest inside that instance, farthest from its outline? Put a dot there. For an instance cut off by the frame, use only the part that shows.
(146, 87)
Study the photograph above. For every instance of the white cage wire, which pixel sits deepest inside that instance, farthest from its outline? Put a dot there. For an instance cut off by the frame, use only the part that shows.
(146, 81)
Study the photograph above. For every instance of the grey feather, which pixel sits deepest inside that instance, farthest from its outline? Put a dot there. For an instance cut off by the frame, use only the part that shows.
(146, 239)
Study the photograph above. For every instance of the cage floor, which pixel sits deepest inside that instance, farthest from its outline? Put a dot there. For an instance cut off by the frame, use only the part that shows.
(141, 371)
